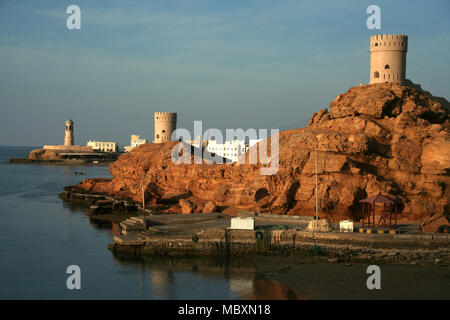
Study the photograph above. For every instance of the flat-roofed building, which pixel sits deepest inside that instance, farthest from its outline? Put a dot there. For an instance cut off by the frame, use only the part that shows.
(135, 141)
(104, 146)
(229, 149)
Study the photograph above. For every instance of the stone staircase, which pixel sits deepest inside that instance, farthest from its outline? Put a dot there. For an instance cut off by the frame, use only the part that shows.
(134, 231)
(143, 235)
(133, 224)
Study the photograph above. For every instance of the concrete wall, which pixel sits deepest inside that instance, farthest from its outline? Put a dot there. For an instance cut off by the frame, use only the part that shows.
(68, 148)
(165, 124)
(388, 58)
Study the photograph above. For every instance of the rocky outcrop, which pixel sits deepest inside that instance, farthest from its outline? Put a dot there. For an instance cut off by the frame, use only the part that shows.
(44, 154)
(379, 138)
(435, 223)
(186, 206)
(73, 154)
(209, 207)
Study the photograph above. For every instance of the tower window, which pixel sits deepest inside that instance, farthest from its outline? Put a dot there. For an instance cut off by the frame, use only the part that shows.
(157, 136)
(376, 74)
(376, 44)
(387, 66)
(164, 131)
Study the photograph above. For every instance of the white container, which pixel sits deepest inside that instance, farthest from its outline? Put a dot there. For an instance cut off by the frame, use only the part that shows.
(242, 223)
(346, 226)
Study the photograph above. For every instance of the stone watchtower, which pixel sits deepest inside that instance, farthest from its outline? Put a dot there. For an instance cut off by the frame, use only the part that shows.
(388, 58)
(165, 124)
(68, 138)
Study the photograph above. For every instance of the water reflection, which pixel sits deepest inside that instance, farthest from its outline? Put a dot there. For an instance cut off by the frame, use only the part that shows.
(243, 278)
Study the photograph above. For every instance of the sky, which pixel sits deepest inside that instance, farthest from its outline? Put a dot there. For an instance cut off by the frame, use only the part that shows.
(230, 63)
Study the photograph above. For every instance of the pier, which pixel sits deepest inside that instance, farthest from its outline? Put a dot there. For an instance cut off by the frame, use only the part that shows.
(209, 234)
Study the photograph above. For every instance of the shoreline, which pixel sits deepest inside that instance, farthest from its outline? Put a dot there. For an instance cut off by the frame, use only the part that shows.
(206, 234)
(58, 162)
(328, 247)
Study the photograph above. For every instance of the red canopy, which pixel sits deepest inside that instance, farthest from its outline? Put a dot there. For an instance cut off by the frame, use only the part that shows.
(378, 198)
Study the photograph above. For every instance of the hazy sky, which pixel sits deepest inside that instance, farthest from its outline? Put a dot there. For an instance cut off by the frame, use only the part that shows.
(230, 63)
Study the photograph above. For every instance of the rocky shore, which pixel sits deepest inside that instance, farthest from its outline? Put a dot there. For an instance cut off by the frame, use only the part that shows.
(379, 138)
(83, 162)
(66, 157)
(209, 235)
(98, 202)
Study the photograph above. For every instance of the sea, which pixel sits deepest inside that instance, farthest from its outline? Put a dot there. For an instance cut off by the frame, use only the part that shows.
(41, 236)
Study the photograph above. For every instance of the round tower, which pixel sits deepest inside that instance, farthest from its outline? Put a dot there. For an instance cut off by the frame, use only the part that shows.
(388, 58)
(68, 138)
(165, 124)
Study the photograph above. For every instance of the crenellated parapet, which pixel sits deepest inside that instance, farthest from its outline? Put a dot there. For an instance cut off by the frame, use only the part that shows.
(384, 42)
(165, 116)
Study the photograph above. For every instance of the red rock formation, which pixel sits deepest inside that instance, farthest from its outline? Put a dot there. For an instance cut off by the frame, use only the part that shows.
(376, 138)
(435, 223)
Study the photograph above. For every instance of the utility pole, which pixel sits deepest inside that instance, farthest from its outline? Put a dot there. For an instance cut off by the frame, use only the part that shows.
(315, 158)
(143, 193)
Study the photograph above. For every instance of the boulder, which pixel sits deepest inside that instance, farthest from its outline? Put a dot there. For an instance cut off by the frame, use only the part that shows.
(209, 207)
(319, 225)
(186, 206)
(435, 223)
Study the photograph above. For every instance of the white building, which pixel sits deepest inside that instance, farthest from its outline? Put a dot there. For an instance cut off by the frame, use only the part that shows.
(135, 141)
(229, 149)
(104, 146)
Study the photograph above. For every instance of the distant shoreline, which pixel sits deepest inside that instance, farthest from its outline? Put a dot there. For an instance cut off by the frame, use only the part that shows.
(59, 161)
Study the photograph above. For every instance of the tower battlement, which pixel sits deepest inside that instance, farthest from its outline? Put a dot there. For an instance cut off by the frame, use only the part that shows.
(384, 42)
(165, 116)
(388, 58)
(165, 124)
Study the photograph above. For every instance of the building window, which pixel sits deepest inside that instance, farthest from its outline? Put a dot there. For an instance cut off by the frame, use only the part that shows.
(387, 66)
(376, 74)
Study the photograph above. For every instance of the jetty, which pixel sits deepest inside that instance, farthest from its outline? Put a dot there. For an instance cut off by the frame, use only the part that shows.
(211, 235)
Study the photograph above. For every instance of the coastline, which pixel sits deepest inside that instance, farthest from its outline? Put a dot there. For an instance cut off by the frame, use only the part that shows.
(58, 161)
(330, 247)
(206, 234)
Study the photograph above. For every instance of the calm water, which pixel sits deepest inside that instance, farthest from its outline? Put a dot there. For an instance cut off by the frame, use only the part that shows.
(40, 236)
